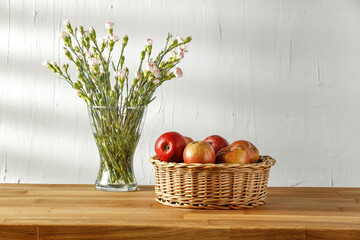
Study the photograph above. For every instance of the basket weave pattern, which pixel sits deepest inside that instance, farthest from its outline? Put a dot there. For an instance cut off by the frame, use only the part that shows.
(212, 186)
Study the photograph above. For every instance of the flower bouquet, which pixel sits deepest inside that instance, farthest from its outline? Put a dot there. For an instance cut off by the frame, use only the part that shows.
(116, 103)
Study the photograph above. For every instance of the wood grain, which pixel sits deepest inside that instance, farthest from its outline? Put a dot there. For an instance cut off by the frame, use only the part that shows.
(9, 232)
(40, 212)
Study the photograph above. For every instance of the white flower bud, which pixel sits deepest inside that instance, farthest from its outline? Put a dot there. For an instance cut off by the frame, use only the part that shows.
(66, 22)
(86, 33)
(54, 63)
(138, 75)
(148, 42)
(63, 34)
(156, 81)
(101, 40)
(94, 61)
(180, 39)
(156, 73)
(45, 63)
(112, 37)
(109, 25)
(121, 73)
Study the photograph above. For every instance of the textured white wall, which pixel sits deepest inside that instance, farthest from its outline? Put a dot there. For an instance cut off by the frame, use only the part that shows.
(282, 74)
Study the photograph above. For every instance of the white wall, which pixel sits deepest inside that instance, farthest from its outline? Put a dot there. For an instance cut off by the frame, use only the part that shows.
(282, 74)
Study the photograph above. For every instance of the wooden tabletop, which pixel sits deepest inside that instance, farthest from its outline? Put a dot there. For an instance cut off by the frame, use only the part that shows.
(81, 212)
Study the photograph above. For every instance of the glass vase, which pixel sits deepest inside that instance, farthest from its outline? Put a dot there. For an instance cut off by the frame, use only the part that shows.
(117, 131)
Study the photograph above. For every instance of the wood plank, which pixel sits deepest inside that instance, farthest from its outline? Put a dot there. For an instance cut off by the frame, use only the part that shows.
(16, 232)
(350, 209)
(333, 234)
(81, 212)
(142, 214)
(254, 224)
(95, 221)
(131, 232)
(349, 192)
(270, 218)
(266, 233)
(262, 229)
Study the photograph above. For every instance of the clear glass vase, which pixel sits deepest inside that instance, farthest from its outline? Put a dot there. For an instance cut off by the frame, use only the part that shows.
(117, 131)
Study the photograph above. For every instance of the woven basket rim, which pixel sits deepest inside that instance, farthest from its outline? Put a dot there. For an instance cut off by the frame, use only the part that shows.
(266, 161)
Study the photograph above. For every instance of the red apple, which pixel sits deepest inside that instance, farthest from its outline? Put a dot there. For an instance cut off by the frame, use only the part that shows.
(188, 139)
(170, 146)
(253, 151)
(233, 154)
(199, 152)
(217, 142)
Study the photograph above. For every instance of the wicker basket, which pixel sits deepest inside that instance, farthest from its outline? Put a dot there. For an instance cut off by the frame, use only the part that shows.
(212, 186)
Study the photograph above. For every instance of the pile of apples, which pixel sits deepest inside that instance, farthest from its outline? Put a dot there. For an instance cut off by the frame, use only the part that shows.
(174, 147)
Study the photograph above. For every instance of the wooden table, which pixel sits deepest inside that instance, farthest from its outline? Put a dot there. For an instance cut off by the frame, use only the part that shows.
(81, 212)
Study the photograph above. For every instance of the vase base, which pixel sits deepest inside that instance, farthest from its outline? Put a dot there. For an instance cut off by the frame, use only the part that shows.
(117, 187)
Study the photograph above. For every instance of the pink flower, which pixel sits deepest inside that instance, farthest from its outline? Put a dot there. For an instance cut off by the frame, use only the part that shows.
(156, 81)
(156, 73)
(151, 66)
(138, 75)
(183, 48)
(178, 72)
(63, 34)
(153, 69)
(148, 42)
(180, 55)
(109, 25)
(94, 61)
(121, 73)
(112, 37)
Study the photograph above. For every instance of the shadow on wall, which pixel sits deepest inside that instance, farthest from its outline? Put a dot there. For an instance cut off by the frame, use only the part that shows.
(41, 167)
(50, 121)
